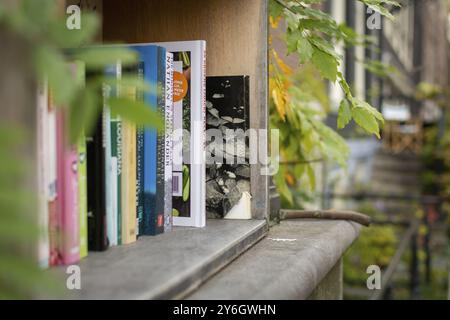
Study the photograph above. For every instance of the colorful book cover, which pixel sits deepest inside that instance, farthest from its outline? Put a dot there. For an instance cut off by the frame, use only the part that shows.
(116, 162)
(161, 145)
(229, 178)
(129, 214)
(189, 96)
(140, 160)
(82, 195)
(82, 178)
(168, 159)
(153, 216)
(42, 174)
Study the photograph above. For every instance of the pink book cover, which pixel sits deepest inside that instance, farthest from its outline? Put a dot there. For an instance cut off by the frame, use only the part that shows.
(67, 190)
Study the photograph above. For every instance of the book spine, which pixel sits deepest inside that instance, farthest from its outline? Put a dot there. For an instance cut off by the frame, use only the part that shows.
(97, 239)
(149, 56)
(202, 143)
(160, 161)
(53, 223)
(110, 136)
(128, 183)
(82, 178)
(140, 162)
(116, 166)
(168, 221)
(42, 174)
(82, 195)
(67, 185)
(129, 216)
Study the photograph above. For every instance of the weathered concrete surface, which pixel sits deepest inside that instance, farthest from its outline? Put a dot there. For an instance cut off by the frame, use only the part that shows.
(287, 264)
(168, 265)
(332, 286)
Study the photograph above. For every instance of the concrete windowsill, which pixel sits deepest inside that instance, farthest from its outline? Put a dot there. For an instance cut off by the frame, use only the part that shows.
(169, 265)
(287, 264)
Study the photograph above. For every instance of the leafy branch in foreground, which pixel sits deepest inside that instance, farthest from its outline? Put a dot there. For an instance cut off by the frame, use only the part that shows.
(50, 49)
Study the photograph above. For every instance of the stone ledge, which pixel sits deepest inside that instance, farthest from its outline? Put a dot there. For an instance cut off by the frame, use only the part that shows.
(287, 264)
(169, 265)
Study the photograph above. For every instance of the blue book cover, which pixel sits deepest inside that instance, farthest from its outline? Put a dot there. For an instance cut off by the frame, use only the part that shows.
(151, 223)
(160, 174)
(140, 160)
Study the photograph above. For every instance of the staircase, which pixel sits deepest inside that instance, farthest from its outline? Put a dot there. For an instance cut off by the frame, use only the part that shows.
(396, 175)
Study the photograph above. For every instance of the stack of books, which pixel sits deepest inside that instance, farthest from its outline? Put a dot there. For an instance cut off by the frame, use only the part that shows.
(124, 181)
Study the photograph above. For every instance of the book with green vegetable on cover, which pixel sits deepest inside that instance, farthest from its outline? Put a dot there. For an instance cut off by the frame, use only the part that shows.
(189, 136)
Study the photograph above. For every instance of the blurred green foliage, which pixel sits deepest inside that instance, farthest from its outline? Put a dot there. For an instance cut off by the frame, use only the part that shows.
(51, 48)
(375, 246)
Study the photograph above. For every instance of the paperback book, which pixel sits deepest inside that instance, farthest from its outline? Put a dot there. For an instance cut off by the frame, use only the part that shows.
(153, 62)
(188, 177)
(228, 178)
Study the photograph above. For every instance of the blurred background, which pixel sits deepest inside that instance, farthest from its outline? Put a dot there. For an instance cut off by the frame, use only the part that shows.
(401, 180)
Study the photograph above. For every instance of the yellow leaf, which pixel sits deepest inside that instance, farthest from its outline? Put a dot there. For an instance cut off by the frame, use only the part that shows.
(283, 66)
(274, 22)
(279, 102)
(290, 180)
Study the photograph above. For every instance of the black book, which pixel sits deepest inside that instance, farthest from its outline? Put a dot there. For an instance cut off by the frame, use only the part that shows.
(97, 237)
(229, 177)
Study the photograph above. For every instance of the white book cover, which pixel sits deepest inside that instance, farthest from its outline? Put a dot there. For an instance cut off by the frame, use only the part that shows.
(168, 146)
(110, 186)
(189, 103)
(114, 235)
(43, 161)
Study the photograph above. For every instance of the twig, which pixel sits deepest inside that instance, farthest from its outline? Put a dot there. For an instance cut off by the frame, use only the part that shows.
(326, 214)
(294, 162)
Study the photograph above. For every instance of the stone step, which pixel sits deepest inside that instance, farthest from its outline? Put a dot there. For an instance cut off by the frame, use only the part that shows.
(396, 177)
(392, 188)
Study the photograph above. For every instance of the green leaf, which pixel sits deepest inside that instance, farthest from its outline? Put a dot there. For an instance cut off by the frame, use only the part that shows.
(304, 49)
(83, 113)
(344, 85)
(99, 58)
(275, 8)
(344, 114)
(366, 120)
(325, 46)
(292, 38)
(136, 112)
(374, 112)
(311, 177)
(326, 64)
(129, 82)
(65, 38)
(51, 64)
